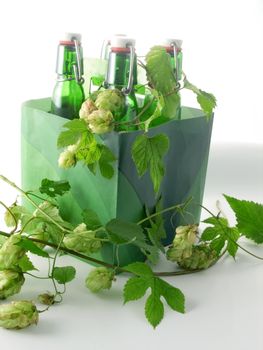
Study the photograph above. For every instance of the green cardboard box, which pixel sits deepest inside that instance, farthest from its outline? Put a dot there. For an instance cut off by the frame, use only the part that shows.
(125, 195)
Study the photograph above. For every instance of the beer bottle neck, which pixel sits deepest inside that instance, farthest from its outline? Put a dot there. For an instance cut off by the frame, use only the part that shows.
(118, 72)
(69, 61)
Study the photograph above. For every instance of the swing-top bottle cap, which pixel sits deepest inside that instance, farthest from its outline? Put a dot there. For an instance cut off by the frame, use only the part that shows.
(68, 38)
(121, 41)
(169, 42)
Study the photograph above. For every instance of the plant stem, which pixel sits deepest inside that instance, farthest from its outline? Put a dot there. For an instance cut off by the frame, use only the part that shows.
(63, 229)
(177, 206)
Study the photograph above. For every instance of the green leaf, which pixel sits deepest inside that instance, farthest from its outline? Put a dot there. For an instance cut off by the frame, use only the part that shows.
(249, 216)
(69, 137)
(148, 153)
(232, 247)
(159, 70)
(216, 221)
(64, 274)
(173, 296)
(30, 246)
(218, 244)
(106, 158)
(172, 104)
(157, 231)
(139, 269)
(97, 80)
(123, 232)
(135, 288)
(154, 309)
(89, 150)
(206, 100)
(54, 188)
(25, 264)
(91, 219)
(219, 234)
(76, 125)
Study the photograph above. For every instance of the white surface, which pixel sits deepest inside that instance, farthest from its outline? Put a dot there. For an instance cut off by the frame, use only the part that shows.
(224, 304)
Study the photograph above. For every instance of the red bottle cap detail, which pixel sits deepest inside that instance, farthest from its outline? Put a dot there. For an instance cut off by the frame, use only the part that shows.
(121, 44)
(67, 43)
(120, 49)
(69, 38)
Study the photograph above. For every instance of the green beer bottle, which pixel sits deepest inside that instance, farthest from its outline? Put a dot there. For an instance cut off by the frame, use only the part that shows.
(68, 94)
(122, 74)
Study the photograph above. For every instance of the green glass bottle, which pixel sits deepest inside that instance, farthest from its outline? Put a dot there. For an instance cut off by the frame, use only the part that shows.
(68, 94)
(122, 74)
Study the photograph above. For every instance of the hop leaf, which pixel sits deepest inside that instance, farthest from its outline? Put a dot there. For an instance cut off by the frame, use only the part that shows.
(206, 100)
(54, 188)
(136, 287)
(219, 234)
(160, 71)
(249, 218)
(148, 153)
(64, 274)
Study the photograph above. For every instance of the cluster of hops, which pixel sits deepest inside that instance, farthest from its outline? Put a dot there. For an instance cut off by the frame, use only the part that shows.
(99, 278)
(202, 257)
(82, 240)
(183, 242)
(100, 111)
(18, 314)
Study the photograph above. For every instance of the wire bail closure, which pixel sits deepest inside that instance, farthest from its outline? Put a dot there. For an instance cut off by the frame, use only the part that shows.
(127, 90)
(176, 60)
(77, 67)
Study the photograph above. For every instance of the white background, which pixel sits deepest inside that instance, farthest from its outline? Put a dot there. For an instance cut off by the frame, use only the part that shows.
(223, 54)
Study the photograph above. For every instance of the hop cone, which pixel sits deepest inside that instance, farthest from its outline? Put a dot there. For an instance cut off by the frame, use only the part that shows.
(99, 278)
(10, 252)
(82, 240)
(111, 100)
(10, 283)
(18, 314)
(183, 243)
(100, 121)
(87, 108)
(202, 257)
